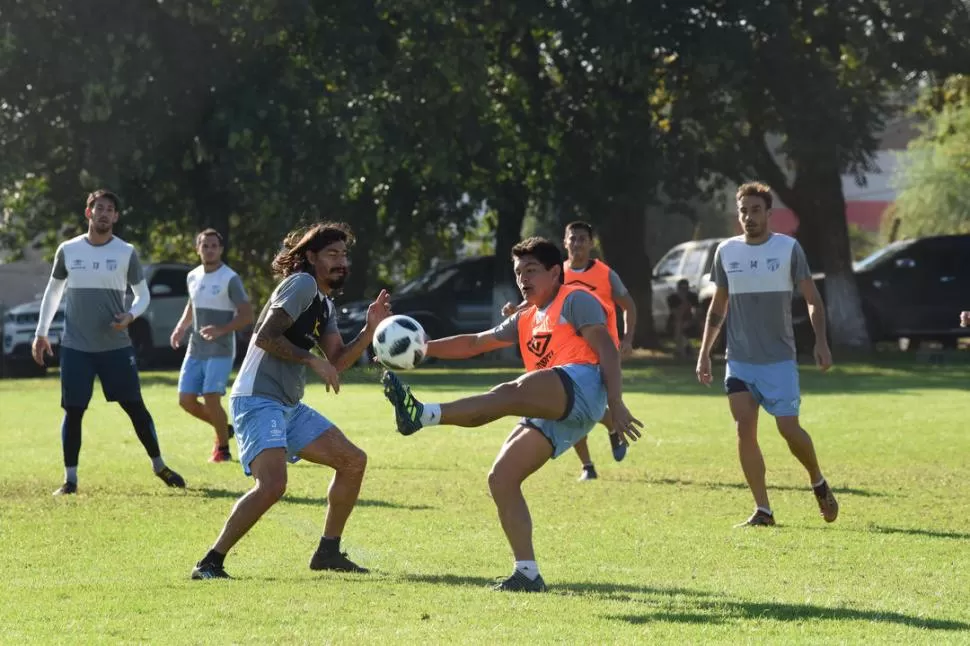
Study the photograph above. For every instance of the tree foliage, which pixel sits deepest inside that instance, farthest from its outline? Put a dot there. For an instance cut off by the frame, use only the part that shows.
(934, 174)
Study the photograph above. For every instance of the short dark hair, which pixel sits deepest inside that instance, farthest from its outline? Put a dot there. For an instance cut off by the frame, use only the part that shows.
(581, 225)
(292, 258)
(106, 194)
(541, 249)
(206, 233)
(754, 189)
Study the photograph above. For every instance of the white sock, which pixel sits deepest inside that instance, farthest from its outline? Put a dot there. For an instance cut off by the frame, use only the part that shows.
(819, 483)
(431, 414)
(766, 510)
(528, 568)
(158, 464)
(70, 474)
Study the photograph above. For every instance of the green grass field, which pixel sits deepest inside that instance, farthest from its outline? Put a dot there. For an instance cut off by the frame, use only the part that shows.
(647, 553)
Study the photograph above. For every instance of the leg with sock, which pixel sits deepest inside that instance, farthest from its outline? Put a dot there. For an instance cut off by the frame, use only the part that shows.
(141, 419)
(71, 444)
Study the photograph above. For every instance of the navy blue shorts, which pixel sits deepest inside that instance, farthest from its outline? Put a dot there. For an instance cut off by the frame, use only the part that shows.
(116, 369)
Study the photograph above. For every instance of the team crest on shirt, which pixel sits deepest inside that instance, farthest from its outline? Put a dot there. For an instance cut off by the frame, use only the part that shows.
(773, 264)
(111, 264)
(538, 344)
(215, 289)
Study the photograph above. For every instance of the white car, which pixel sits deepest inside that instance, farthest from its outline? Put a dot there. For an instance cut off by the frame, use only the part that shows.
(149, 333)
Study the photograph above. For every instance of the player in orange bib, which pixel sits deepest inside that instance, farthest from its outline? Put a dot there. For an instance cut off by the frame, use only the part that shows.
(581, 270)
(572, 373)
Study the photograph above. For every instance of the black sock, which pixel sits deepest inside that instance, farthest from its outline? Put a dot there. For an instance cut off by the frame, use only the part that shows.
(71, 435)
(223, 447)
(213, 558)
(822, 489)
(141, 419)
(329, 546)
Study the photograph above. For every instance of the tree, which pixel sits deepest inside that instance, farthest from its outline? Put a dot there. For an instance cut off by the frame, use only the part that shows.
(795, 94)
(934, 177)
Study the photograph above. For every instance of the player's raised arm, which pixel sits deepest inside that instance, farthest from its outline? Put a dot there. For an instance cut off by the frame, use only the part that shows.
(344, 355)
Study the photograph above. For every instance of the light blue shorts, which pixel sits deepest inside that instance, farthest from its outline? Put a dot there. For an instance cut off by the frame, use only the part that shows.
(585, 407)
(263, 423)
(205, 376)
(773, 385)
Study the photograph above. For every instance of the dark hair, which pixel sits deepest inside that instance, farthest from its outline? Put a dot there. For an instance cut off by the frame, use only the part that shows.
(292, 258)
(683, 282)
(106, 194)
(206, 233)
(583, 226)
(541, 249)
(755, 189)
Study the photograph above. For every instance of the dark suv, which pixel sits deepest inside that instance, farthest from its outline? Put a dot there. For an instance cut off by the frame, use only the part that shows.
(453, 298)
(912, 289)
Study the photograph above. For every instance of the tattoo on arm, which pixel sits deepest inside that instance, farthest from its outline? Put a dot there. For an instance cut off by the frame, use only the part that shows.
(270, 338)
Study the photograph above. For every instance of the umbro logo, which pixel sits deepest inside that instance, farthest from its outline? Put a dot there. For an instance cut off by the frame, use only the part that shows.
(581, 283)
(538, 344)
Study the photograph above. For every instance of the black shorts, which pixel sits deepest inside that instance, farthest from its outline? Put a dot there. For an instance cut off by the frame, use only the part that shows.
(116, 369)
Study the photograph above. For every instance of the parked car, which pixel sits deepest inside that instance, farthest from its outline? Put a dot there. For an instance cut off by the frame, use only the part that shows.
(692, 261)
(453, 298)
(913, 289)
(149, 332)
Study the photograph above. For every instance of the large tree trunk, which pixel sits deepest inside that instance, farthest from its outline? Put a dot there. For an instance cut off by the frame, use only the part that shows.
(363, 220)
(823, 231)
(623, 242)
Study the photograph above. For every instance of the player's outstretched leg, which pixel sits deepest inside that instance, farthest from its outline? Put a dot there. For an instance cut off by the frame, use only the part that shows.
(541, 394)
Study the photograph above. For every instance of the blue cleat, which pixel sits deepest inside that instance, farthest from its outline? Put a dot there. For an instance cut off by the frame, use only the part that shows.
(619, 447)
(407, 409)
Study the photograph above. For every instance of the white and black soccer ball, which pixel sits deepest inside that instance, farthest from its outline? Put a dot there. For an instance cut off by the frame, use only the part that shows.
(400, 343)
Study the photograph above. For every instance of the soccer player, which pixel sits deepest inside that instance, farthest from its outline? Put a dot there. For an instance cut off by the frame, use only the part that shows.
(217, 307)
(95, 269)
(273, 425)
(572, 372)
(582, 270)
(755, 274)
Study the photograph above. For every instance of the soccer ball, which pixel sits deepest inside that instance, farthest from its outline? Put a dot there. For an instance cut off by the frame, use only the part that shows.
(400, 343)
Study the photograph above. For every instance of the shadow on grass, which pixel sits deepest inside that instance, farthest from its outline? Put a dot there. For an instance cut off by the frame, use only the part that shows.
(878, 529)
(961, 536)
(209, 492)
(615, 592)
(723, 611)
(707, 610)
(740, 485)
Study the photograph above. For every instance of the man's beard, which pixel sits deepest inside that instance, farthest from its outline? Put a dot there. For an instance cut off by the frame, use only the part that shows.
(102, 228)
(336, 280)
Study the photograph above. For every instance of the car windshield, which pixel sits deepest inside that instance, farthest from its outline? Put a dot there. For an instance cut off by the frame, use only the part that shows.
(879, 255)
(427, 281)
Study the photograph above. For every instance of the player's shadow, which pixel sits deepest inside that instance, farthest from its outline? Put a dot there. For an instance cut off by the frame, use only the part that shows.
(723, 611)
(211, 492)
(708, 608)
(961, 536)
(679, 482)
